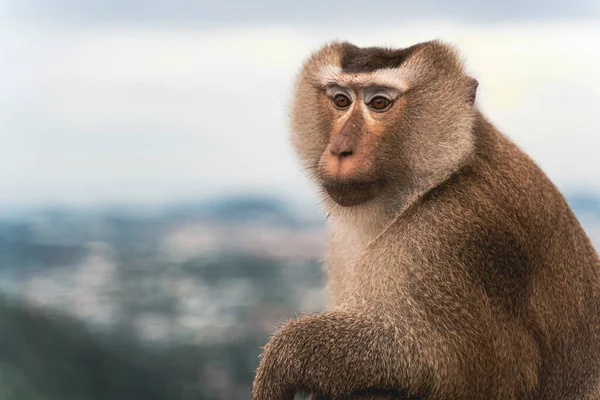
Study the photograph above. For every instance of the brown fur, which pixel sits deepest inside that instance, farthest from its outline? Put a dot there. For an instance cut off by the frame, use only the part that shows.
(466, 275)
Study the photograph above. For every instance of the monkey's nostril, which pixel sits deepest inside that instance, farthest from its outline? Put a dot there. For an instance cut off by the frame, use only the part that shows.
(341, 153)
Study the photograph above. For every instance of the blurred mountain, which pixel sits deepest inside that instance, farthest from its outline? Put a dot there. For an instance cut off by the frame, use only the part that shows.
(170, 302)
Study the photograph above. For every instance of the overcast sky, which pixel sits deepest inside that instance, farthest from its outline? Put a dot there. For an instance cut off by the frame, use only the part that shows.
(147, 101)
(200, 13)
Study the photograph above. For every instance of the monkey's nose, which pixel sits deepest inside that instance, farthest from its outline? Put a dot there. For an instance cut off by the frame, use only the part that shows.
(342, 146)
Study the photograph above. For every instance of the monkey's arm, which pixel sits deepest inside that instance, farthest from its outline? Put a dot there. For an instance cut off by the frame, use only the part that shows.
(323, 353)
(337, 353)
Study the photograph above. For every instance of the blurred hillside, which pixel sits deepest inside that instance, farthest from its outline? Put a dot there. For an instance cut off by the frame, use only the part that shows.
(169, 303)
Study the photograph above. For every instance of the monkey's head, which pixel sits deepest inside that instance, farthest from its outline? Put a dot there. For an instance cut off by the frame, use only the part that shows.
(374, 123)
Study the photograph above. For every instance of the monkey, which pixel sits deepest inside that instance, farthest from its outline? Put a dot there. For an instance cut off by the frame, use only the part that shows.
(455, 267)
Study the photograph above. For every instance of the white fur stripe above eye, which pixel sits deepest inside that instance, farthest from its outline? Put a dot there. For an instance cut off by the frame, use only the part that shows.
(391, 77)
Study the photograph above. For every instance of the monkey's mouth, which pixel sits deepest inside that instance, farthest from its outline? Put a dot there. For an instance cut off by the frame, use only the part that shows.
(351, 192)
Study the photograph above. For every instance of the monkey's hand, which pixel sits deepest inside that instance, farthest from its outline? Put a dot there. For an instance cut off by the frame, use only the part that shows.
(335, 354)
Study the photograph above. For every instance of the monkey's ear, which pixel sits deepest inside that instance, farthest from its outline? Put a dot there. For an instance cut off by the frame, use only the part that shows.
(472, 87)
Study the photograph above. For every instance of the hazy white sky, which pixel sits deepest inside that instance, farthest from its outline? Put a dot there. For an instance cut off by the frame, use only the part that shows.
(94, 111)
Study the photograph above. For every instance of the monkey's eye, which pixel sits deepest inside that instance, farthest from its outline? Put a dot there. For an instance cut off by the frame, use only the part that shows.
(379, 103)
(341, 101)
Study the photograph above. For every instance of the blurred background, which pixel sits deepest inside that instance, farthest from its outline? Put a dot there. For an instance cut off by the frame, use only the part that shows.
(154, 224)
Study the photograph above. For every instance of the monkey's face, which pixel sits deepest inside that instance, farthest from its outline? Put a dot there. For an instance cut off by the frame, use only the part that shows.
(350, 167)
(365, 126)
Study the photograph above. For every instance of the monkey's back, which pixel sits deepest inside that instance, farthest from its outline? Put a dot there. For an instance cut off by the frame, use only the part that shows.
(550, 275)
(499, 229)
